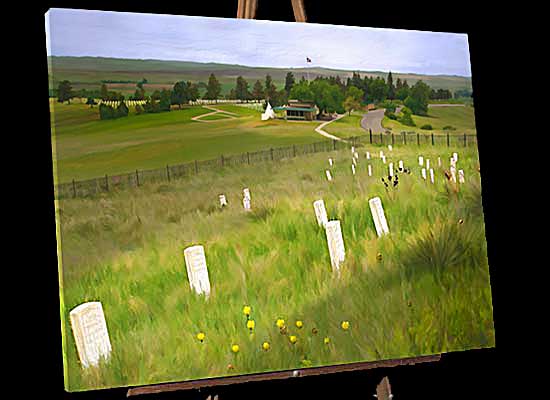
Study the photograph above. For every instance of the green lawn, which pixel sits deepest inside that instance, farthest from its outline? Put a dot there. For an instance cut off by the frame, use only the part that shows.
(347, 126)
(461, 118)
(427, 293)
(86, 147)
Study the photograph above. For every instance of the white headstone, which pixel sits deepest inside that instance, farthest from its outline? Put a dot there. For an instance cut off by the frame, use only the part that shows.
(378, 216)
(384, 159)
(90, 333)
(390, 168)
(452, 162)
(420, 160)
(455, 156)
(320, 212)
(424, 173)
(453, 173)
(353, 169)
(370, 170)
(330, 162)
(246, 203)
(197, 271)
(432, 175)
(329, 176)
(381, 154)
(427, 164)
(223, 200)
(368, 155)
(461, 176)
(352, 150)
(439, 161)
(246, 193)
(335, 243)
(390, 147)
(354, 161)
(401, 165)
(356, 155)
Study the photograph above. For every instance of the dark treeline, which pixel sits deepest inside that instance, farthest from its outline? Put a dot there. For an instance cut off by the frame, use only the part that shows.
(330, 94)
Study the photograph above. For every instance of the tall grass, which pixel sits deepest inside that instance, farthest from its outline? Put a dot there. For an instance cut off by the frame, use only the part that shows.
(422, 289)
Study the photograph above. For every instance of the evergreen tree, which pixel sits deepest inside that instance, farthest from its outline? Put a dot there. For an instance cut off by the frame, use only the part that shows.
(289, 82)
(258, 91)
(179, 94)
(270, 88)
(391, 87)
(64, 92)
(104, 93)
(213, 88)
(164, 101)
(241, 89)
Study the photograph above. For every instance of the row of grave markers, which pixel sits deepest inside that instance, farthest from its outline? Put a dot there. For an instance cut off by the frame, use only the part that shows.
(88, 319)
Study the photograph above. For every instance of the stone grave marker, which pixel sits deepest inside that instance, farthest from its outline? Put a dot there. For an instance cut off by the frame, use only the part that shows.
(353, 169)
(368, 155)
(453, 173)
(197, 271)
(420, 160)
(432, 175)
(354, 161)
(246, 193)
(390, 169)
(223, 200)
(320, 212)
(384, 159)
(455, 156)
(378, 216)
(390, 147)
(335, 243)
(90, 333)
(461, 176)
(401, 168)
(246, 204)
(439, 161)
(370, 170)
(330, 162)
(381, 154)
(329, 176)
(428, 164)
(424, 173)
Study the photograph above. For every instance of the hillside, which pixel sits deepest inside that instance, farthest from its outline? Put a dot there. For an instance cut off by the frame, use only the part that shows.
(88, 72)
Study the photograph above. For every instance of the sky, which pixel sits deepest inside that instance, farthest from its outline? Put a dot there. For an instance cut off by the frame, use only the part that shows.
(254, 42)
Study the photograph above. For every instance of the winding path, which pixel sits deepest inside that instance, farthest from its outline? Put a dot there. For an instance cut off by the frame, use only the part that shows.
(373, 120)
(214, 111)
(320, 130)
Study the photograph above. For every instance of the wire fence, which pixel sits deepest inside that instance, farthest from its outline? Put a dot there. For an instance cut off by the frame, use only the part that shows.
(91, 187)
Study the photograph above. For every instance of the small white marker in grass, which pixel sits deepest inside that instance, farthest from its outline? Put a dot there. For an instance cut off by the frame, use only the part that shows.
(367, 155)
(223, 200)
(369, 170)
(330, 161)
(401, 165)
(90, 333)
(381, 154)
(420, 160)
(424, 173)
(453, 173)
(390, 147)
(335, 243)
(197, 271)
(352, 150)
(427, 164)
(432, 175)
(461, 176)
(320, 212)
(390, 169)
(439, 161)
(384, 159)
(353, 169)
(246, 204)
(354, 161)
(246, 193)
(378, 216)
(329, 176)
(455, 156)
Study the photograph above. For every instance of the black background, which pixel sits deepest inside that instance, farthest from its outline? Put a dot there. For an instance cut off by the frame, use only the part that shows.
(474, 374)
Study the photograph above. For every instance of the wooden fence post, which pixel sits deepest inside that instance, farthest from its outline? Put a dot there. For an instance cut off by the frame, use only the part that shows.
(370, 135)
(271, 150)
(106, 182)
(333, 144)
(404, 137)
(418, 138)
(294, 150)
(432, 139)
(222, 159)
(381, 138)
(464, 139)
(196, 167)
(74, 189)
(448, 140)
(392, 139)
(168, 173)
(248, 157)
(137, 177)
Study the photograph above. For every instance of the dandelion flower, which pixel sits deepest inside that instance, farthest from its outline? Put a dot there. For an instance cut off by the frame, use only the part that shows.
(293, 339)
(299, 324)
(345, 325)
(247, 310)
(280, 323)
(327, 340)
(201, 336)
(266, 346)
(235, 348)
(250, 324)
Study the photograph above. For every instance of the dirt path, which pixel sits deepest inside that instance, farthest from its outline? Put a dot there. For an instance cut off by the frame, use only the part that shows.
(320, 130)
(214, 111)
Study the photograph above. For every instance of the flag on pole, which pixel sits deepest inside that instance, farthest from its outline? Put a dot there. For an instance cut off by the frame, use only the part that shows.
(308, 59)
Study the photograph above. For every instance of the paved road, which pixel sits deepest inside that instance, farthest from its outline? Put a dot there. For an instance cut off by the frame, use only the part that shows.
(373, 120)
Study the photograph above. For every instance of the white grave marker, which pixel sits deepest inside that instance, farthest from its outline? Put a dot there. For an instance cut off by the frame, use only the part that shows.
(453, 173)
(90, 333)
(384, 159)
(197, 271)
(439, 161)
(420, 160)
(370, 170)
(377, 212)
(354, 161)
(390, 168)
(424, 173)
(390, 147)
(320, 212)
(427, 164)
(329, 176)
(461, 176)
(356, 155)
(246, 204)
(352, 150)
(330, 161)
(246, 193)
(455, 156)
(335, 243)
(368, 155)
(381, 154)
(432, 175)
(401, 165)
(223, 200)
(353, 169)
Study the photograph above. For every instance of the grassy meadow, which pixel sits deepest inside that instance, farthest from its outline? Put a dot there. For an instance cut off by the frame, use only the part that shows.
(420, 290)
(86, 147)
(460, 118)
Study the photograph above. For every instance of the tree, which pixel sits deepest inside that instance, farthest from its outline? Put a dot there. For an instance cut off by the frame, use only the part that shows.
(418, 98)
(351, 104)
(180, 94)
(378, 90)
(104, 93)
(328, 98)
(121, 110)
(258, 91)
(91, 102)
(289, 82)
(270, 88)
(213, 88)
(355, 93)
(192, 91)
(139, 94)
(241, 89)
(391, 88)
(64, 92)
(402, 92)
(301, 92)
(164, 102)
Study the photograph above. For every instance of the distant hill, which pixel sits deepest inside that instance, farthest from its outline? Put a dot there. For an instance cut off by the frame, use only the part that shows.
(89, 72)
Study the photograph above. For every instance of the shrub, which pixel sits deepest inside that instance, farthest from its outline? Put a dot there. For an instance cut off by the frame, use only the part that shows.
(449, 128)
(139, 109)
(391, 115)
(427, 127)
(106, 112)
(406, 119)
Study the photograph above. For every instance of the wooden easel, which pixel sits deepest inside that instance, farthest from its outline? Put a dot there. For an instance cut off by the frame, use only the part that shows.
(247, 9)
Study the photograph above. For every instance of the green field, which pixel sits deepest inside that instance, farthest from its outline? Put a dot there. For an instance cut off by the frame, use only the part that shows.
(428, 292)
(88, 72)
(86, 147)
(460, 118)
